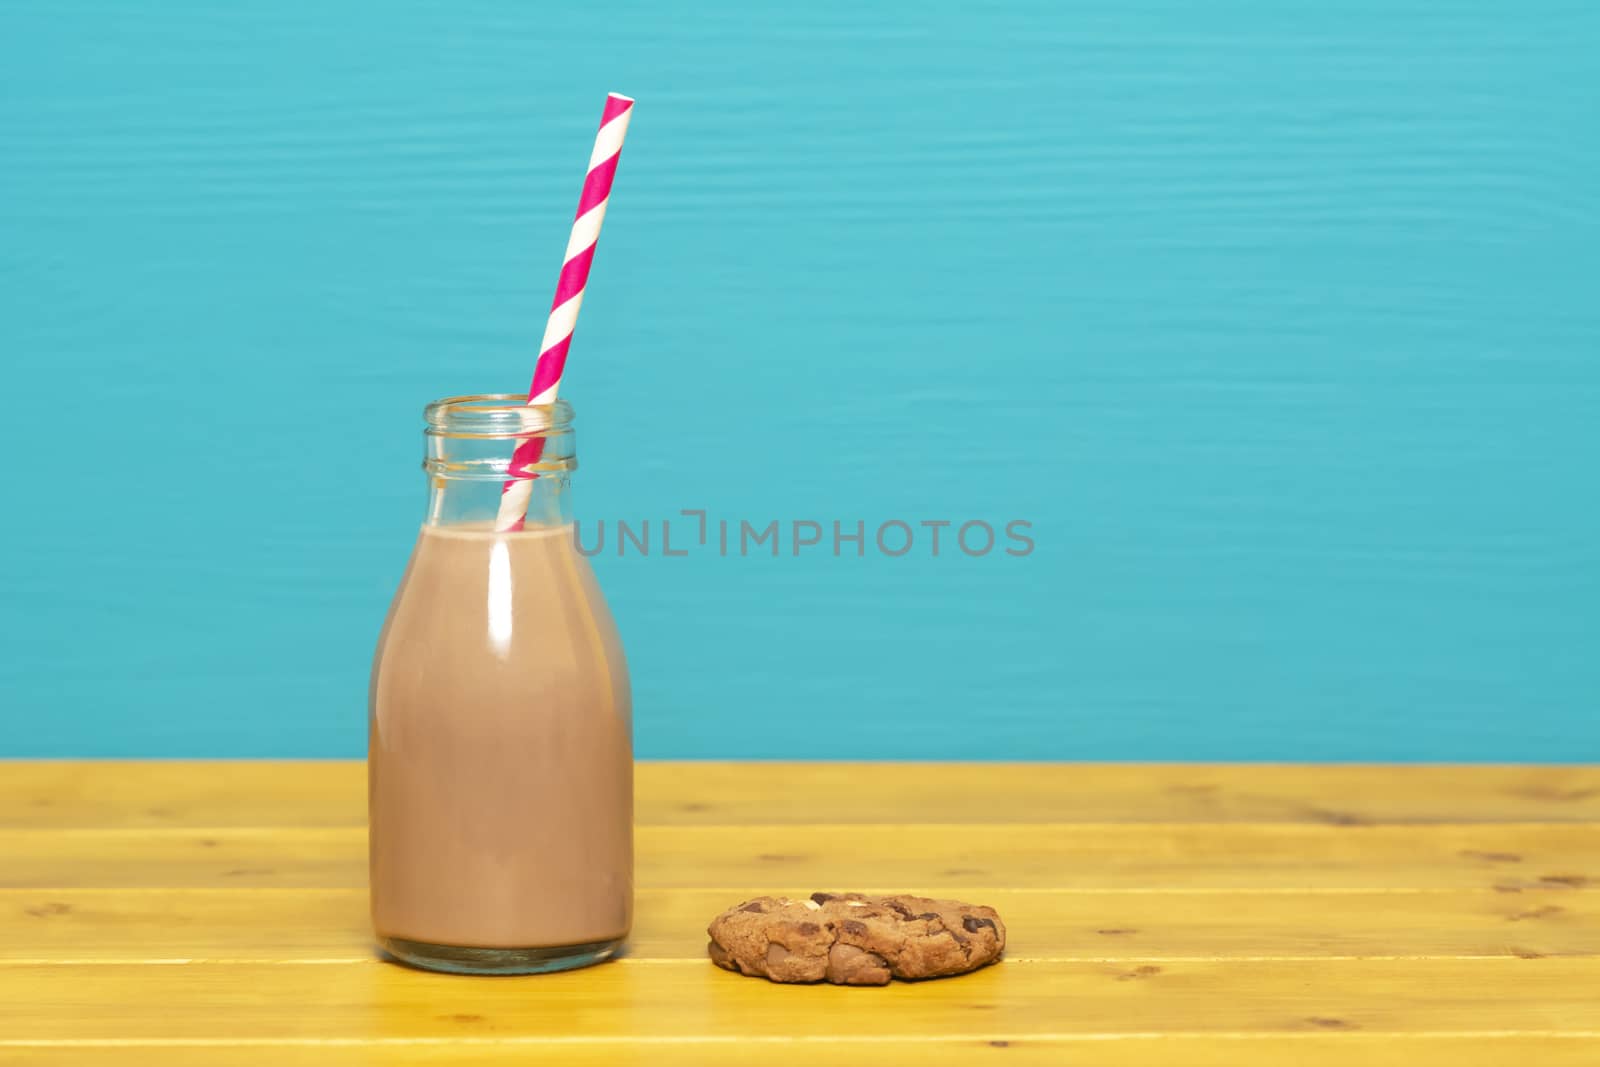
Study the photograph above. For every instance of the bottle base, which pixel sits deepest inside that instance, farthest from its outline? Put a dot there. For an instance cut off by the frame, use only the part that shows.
(463, 959)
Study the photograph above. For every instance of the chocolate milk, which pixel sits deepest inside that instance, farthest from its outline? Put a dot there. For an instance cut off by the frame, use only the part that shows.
(501, 761)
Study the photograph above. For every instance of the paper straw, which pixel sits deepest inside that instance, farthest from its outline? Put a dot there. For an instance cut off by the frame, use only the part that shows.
(514, 495)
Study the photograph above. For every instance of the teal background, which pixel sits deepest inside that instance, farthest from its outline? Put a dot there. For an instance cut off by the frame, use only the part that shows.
(1278, 320)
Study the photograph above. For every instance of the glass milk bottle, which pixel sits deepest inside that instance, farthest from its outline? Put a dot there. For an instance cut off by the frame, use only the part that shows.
(500, 759)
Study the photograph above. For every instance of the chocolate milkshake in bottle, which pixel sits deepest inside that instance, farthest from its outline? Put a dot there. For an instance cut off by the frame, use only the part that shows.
(500, 761)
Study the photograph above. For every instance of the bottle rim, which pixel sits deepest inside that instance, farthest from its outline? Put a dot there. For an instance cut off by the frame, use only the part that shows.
(495, 415)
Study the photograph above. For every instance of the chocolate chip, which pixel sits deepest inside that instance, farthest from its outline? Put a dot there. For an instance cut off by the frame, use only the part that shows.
(809, 929)
(822, 898)
(755, 906)
(972, 925)
(928, 915)
(899, 909)
(854, 928)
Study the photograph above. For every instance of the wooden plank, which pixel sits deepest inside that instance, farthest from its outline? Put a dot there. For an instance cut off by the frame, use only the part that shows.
(58, 794)
(892, 858)
(333, 793)
(330, 925)
(1321, 933)
(1340, 1049)
(733, 793)
(241, 1002)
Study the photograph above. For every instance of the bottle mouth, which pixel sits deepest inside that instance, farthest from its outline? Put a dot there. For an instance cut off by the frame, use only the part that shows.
(495, 415)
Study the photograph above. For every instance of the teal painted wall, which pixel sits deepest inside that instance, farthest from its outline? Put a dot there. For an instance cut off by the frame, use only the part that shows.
(1277, 320)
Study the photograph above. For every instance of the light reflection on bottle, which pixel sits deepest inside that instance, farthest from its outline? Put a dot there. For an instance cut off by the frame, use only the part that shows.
(500, 597)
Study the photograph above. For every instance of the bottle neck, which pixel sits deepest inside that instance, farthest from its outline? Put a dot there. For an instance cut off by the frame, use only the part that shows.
(471, 442)
(463, 502)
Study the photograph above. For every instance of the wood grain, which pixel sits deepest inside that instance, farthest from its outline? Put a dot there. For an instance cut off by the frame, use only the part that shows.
(216, 914)
(934, 857)
(1310, 1049)
(330, 925)
(359, 1002)
(65, 794)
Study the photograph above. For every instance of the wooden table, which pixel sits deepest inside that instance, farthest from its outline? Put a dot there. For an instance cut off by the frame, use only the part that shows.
(215, 913)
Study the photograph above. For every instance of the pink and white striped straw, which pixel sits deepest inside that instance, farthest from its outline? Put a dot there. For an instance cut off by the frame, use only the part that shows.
(514, 495)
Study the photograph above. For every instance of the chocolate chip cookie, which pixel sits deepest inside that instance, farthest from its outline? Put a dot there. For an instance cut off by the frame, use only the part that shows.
(851, 939)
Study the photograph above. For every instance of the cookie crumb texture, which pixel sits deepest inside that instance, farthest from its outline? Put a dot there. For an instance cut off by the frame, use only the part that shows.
(852, 939)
